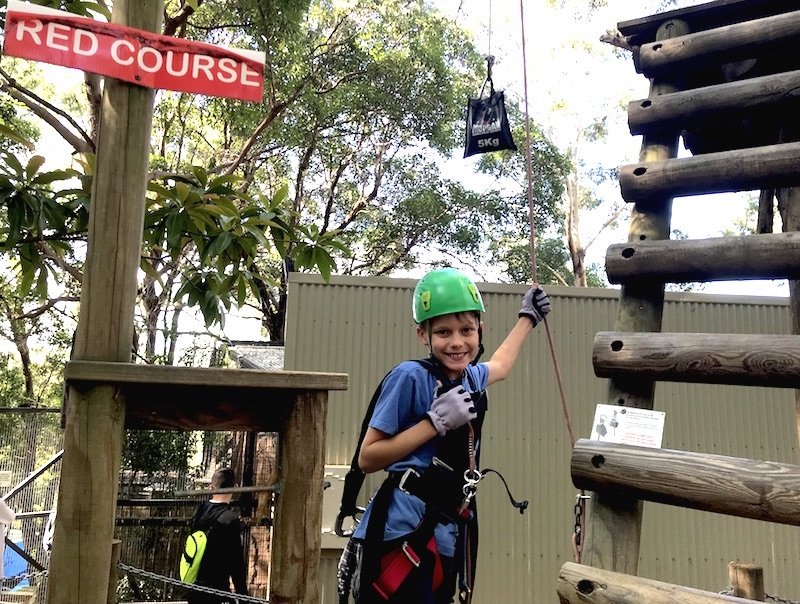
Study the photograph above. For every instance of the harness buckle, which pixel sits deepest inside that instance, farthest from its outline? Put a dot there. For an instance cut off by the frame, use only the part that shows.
(410, 554)
(408, 473)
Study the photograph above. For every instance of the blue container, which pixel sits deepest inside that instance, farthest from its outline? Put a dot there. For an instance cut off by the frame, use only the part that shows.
(13, 563)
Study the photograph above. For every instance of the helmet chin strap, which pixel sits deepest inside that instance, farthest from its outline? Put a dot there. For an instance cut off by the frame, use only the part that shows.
(480, 347)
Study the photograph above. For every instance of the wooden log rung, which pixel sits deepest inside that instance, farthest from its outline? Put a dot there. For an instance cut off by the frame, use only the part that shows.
(770, 166)
(707, 15)
(581, 584)
(747, 488)
(766, 256)
(674, 112)
(720, 45)
(771, 360)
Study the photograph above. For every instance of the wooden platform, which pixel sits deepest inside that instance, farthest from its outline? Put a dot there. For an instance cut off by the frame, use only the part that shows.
(200, 398)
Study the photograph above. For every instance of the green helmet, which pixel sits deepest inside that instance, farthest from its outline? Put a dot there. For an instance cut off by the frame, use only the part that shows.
(445, 291)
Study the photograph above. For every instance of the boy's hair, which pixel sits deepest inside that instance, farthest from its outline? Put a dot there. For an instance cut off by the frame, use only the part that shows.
(223, 478)
(472, 313)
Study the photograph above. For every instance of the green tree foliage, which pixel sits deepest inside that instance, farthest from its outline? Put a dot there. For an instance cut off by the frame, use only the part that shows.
(339, 169)
(151, 451)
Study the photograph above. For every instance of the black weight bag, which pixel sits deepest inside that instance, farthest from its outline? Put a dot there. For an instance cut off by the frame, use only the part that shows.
(487, 121)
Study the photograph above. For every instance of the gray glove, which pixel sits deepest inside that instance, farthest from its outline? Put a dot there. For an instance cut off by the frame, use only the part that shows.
(535, 305)
(451, 409)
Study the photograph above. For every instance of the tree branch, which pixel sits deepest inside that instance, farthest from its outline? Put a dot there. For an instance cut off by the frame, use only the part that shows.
(37, 312)
(44, 110)
(48, 252)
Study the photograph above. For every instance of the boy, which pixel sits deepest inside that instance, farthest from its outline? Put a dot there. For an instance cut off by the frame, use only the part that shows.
(223, 560)
(425, 432)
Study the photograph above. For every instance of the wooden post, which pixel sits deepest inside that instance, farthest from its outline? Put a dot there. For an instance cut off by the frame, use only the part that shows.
(79, 564)
(611, 540)
(747, 580)
(113, 574)
(789, 206)
(298, 511)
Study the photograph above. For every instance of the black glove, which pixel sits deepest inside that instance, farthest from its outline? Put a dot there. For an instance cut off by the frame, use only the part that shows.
(535, 305)
(452, 409)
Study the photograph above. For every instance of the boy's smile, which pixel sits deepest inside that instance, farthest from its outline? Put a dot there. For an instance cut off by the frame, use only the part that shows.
(453, 339)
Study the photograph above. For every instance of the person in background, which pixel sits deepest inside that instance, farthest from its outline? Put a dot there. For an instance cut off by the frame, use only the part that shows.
(223, 560)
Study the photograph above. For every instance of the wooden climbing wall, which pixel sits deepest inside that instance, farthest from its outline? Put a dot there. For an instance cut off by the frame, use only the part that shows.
(724, 79)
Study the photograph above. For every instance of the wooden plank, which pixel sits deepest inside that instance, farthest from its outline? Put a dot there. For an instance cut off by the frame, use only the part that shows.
(738, 170)
(612, 528)
(96, 372)
(163, 397)
(735, 486)
(680, 110)
(579, 584)
(81, 557)
(298, 508)
(113, 574)
(767, 256)
(707, 358)
(725, 44)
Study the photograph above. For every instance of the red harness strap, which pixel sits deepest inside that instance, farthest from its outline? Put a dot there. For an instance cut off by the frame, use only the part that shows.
(397, 564)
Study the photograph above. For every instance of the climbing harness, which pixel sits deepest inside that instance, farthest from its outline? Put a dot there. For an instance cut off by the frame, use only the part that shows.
(449, 496)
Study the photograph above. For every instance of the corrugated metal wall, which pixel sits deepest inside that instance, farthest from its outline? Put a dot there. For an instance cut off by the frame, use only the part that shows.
(363, 326)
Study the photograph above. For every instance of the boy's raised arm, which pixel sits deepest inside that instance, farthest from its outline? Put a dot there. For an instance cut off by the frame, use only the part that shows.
(535, 306)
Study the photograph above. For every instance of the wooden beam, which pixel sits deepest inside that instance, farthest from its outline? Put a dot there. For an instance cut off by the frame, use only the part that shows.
(765, 167)
(747, 488)
(161, 397)
(708, 15)
(707, 358)
(251, 489)
(96, 372)
(579, 584)
(714, 47)
(789, 207)
(94, 420)
(113, 574)
(679, 110)
(767, 256)
(298, 508)
(611, 539)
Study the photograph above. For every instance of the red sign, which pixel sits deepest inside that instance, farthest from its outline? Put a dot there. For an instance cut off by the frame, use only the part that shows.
(132, 55)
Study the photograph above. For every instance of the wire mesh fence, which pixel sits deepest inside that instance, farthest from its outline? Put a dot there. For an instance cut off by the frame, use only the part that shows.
(31, 442)
(151, 521)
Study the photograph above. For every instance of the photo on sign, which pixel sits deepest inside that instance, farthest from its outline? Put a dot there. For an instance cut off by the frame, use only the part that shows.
(628, 425)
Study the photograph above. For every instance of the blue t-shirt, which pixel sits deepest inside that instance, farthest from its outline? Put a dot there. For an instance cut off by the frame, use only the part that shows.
(405, 398)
